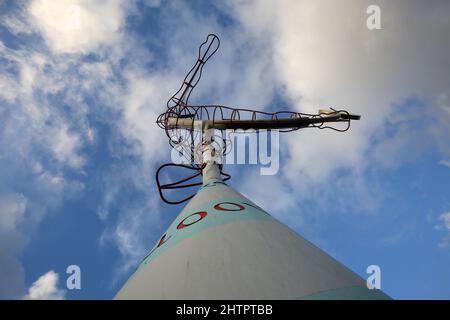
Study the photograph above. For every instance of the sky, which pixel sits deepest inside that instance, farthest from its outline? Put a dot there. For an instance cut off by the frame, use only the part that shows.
(79, 145)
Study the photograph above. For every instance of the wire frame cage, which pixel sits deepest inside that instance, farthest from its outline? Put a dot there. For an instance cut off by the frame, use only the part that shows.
(185, 124)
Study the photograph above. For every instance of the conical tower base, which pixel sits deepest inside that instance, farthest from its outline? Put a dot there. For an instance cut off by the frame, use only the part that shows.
(223, 246)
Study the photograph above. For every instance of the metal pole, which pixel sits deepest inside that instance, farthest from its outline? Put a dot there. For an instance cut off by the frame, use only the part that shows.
(211, 158)
(284, 123)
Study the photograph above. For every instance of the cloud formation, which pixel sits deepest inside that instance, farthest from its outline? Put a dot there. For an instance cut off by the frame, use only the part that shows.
(45, 124)
(85, 66)
(444, 225)
(322, 54)
(80, 26)
(12, 212)
(45, 288)
(52, 91)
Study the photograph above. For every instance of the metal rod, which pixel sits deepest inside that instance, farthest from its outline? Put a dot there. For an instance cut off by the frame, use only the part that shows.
(186, 123)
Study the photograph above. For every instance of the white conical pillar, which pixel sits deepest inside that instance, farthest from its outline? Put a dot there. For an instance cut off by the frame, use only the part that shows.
(223, 246)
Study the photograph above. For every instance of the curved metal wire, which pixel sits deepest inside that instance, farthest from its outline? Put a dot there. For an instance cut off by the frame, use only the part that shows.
(180, 183)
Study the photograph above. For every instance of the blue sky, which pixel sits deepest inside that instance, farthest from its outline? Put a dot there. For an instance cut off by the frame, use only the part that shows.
(79, 145)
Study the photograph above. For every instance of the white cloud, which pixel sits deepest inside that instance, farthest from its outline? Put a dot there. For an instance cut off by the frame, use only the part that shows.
(47, 114)
(72, 26)
(35, 121)
(445, 218)
(65, 145)
(45, 288)
(12, 212)
(137, 224)
(323, 55)
(444, 226)
(43, 117)
(272, 194)
(8, 89)
(16, 21)
(16, 26)
(143, 102)
(445, 163)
